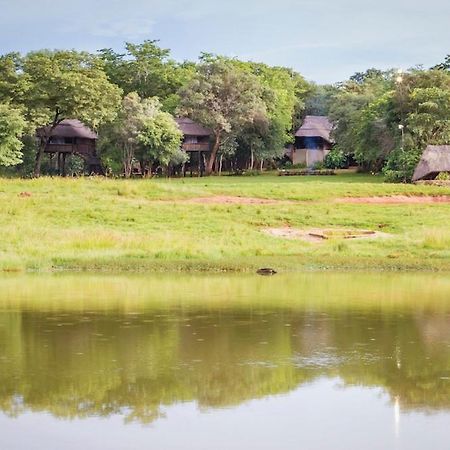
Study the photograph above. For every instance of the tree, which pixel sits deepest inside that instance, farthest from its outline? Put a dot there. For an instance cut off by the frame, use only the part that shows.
(319, 99)
(445, 65)
(358, 110)
(122, 134)
(13, 85)
(12, 126)
(148, 70)
(224, 98)
(284, 94)
(159, 140)
(65, 84)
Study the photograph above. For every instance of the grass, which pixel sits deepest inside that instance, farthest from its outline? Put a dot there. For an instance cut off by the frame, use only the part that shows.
(146, 225)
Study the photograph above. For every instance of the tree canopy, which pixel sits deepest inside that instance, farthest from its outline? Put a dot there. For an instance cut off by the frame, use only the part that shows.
(12, 126)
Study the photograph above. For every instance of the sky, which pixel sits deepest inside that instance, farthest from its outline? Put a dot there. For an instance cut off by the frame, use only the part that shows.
(325, 40)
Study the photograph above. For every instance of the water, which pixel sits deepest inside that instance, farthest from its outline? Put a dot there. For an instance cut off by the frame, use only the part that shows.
(310, 361)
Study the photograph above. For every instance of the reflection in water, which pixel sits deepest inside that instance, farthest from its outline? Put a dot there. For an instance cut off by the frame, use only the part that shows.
(78, 346)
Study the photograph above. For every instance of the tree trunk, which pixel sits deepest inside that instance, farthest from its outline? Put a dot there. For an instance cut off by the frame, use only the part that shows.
(252, 159)
(45, 140)
(212, 157)
(261, 165)
(40, 153)
(127, 161)
(220, 164)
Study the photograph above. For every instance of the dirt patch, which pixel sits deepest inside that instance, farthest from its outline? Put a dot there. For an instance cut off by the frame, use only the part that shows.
(231, 200)
(397, 199)
(317, 235)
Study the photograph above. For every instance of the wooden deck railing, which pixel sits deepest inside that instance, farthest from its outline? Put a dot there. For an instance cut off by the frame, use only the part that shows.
(199, 147)
(70, 148)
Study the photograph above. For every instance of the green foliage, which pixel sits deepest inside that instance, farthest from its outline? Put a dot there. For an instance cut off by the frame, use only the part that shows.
(319, 100)
(224, 98)
(141, 132)
(12, 126)
(120, 139)
(428, 108)
(385, 119)
(318, 165)
(68, 84)
(443, 176)
(336, 159)
(357, 109)
(159, 140)
(148, 70)
(400, 165)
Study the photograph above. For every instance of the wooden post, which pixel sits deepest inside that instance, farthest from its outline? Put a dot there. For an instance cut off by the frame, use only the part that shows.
(64, 164)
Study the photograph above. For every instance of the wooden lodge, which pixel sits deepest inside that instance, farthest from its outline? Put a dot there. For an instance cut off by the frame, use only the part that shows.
(72, 137)
(312, 141)
(196, 142)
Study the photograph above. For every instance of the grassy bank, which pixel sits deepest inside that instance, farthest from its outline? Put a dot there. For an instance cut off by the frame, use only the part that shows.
(148, 225)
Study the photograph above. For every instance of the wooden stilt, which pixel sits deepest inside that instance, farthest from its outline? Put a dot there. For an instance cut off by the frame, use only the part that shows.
(64, 155)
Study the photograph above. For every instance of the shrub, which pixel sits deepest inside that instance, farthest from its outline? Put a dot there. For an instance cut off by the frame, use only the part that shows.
(400, 165)
(336, 159)
(443, 176)
(319, 165)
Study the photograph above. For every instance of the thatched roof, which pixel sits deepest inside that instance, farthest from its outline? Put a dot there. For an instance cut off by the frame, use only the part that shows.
(316, 126)
(191, 128)
(435, 159)
(71, 128)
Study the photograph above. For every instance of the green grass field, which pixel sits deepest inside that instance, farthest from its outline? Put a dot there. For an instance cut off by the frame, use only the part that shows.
(141, 225)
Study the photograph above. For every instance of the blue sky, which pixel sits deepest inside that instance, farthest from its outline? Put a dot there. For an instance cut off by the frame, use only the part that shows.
(325, 40)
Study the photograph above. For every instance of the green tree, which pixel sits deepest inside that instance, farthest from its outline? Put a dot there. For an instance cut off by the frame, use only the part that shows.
(160, 140)
(148, 70)
(224, 98)
(65, 84)
(358, 110)
(121, 137)
(12, 127)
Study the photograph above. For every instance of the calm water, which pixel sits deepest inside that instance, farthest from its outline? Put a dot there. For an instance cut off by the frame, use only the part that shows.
(309, 361)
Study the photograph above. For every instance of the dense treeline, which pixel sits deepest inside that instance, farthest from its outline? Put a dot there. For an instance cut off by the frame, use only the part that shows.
(383, 120)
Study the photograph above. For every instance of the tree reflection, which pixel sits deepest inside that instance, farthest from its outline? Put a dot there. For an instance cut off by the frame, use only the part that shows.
(79, 362)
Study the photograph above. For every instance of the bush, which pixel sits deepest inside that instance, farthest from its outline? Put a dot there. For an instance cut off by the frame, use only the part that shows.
(336, 159)
(318, 165)
(400, 165)
(443, 176)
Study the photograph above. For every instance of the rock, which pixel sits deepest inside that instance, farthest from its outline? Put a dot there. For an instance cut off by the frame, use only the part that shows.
(266, 271)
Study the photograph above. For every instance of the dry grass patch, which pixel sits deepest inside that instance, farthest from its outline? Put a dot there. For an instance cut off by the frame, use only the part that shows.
(317, 235)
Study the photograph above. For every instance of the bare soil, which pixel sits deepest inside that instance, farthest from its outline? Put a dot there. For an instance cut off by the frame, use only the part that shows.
(233, 200)
(397, 199)
(318, 235)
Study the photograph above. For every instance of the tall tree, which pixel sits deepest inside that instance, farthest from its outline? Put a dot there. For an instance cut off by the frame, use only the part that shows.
(159, 140)
(148, 70)
(12, 126)
(65, 84)
(122, 134)
(224, 98)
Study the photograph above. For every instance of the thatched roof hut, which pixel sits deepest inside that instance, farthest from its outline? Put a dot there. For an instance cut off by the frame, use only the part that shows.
(316, 126)
(435, 159)
(191, 128)
(71, 137)
(70, 128)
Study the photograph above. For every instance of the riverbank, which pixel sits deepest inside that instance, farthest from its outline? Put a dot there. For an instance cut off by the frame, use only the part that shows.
(220, 224)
